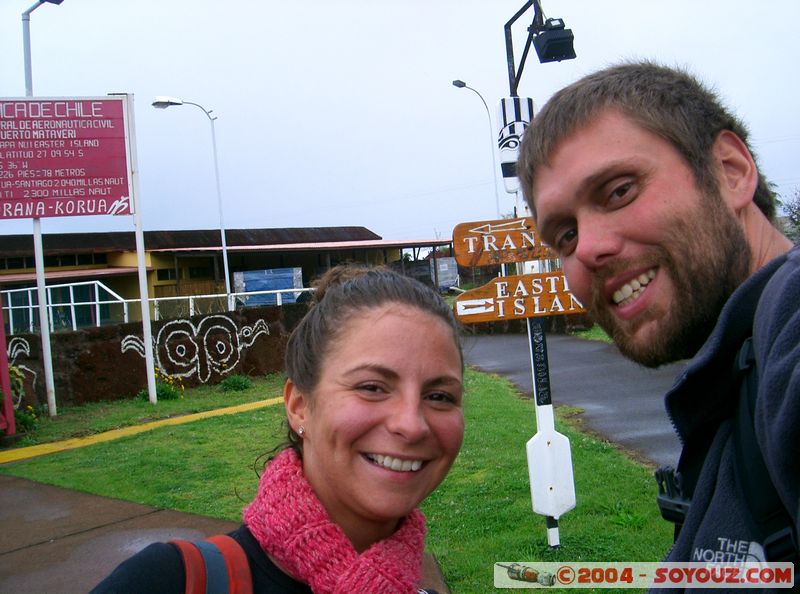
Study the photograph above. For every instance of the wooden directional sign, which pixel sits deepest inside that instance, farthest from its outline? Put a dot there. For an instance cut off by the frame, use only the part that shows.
(501, 241)
(516, 297)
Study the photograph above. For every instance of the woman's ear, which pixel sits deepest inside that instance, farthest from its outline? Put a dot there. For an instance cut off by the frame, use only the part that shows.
(738, 175)
(297, 405)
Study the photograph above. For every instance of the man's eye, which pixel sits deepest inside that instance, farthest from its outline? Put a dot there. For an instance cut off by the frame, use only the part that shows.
(565, 241)
(621, 192)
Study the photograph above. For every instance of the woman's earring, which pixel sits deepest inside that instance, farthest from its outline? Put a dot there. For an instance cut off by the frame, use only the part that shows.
(301, 431)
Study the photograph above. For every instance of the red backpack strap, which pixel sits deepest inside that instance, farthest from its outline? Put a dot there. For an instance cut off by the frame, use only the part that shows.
(240, 580)
(194, 566)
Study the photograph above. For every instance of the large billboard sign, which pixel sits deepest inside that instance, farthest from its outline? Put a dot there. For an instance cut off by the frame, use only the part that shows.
(500, 241)
(517, 297)
(64, 157)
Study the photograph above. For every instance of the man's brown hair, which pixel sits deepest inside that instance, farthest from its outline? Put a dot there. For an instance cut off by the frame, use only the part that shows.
(665, 101)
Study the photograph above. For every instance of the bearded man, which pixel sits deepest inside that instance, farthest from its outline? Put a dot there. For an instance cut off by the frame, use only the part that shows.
(647, 188)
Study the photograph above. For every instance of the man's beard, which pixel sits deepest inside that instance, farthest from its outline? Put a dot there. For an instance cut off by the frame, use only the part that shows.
(707, 259)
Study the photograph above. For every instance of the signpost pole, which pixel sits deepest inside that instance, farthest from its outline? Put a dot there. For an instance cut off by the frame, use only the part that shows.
(549, 454)
(7, 421)
(527, 296)
(147, 335)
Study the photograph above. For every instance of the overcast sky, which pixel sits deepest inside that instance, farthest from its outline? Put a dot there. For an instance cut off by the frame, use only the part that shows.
(343, 113)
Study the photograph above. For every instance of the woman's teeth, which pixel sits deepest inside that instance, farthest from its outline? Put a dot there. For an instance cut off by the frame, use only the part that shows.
(395, 463)
(632, 290)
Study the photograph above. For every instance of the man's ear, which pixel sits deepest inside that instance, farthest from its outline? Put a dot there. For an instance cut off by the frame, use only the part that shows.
(737, 172)
(297, 405)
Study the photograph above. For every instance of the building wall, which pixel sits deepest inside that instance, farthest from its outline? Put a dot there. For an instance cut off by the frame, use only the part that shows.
(107, 363)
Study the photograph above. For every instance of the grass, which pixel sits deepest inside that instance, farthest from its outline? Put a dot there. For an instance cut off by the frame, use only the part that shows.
(88, 419)
(480, 514)
(593, 333)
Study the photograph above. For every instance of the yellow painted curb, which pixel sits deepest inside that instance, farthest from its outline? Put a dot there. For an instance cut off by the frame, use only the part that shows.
(79, 442)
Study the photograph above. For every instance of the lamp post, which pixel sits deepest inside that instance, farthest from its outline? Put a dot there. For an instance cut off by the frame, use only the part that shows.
(26, 43)
(38, 250)
(162, 102)
(460, 84)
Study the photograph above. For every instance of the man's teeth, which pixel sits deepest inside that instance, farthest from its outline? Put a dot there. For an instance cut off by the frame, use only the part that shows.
(632, 290)
(395, 463)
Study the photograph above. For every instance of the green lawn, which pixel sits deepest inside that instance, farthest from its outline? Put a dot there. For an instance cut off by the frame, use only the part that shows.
(481, 514)
(81, 421)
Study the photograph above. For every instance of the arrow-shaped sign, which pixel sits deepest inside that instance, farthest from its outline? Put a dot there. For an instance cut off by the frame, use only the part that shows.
(517, 297)
(513, 225)
(471, 307)
(501, 241)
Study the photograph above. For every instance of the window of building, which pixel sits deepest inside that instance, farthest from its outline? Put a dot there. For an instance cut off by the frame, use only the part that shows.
(166, 274)
(200, 272)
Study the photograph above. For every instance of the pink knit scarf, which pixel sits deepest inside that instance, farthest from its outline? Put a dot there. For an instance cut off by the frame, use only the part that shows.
(291, 525)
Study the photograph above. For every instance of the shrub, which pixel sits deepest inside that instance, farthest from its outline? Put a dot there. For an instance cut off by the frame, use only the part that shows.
(26, 419)
(236, 383)
(168, 387)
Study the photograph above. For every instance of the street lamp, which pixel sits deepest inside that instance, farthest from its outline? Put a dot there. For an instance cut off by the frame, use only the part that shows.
(26, 43)
(551, 39)
(38, 249)
(462, 85)
(162, 102)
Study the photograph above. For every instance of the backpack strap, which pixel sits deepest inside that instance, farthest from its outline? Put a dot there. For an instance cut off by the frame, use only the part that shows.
(217, 565)
(240, 580)
(194, 566)
(772, 521)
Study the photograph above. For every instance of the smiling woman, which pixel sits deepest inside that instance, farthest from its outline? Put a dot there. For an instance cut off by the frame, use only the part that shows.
(373, 403)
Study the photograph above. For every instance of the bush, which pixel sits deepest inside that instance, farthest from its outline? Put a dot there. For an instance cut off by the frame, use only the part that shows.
(167, 387)
(236, 383)
(26, 419)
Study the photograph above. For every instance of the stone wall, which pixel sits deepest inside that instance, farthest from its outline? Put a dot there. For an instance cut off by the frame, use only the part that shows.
(107, 363)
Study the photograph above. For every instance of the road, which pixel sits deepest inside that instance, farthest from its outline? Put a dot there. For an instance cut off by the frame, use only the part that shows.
(624, 402)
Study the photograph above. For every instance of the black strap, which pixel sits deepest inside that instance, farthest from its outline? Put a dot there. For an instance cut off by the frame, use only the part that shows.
(772, 520)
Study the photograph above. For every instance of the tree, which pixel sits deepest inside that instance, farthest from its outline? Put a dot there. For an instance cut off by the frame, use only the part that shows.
(791, 208)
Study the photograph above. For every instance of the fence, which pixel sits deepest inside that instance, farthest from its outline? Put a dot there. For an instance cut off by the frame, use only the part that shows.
(80, 305)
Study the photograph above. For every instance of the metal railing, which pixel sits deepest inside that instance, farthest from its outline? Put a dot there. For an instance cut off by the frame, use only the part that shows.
(20, 306)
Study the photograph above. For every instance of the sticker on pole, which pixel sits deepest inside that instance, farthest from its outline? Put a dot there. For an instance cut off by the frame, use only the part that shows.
(517, 297)
(63, 157)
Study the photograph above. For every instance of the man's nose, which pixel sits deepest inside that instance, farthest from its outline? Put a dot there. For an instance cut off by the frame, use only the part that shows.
(598, 241)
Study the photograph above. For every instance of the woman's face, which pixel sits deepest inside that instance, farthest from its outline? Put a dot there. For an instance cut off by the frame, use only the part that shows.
(384, 423)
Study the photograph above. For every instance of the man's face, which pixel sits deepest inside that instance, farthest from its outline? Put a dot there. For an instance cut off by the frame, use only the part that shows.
(653, 256)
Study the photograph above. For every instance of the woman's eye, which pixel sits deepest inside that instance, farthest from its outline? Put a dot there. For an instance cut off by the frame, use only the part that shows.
(442, 397)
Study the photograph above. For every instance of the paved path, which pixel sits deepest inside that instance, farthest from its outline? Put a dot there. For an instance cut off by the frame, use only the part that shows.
(623, 401)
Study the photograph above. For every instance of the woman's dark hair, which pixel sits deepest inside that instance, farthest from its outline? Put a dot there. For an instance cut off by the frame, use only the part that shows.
(341, 294)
